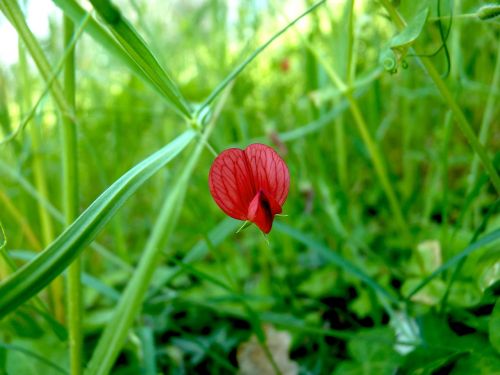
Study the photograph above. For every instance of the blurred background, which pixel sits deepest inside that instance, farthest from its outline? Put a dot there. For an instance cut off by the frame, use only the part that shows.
(385, 189)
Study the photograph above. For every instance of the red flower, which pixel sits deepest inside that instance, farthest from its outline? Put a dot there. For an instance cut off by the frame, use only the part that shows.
(250, 184)
(285, 65)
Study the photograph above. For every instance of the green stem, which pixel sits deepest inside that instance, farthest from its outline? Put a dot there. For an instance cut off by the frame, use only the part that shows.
(137, 49)
(226, 81)
(378, 163)
(70, 204)
(350, 45)
(487, 119)
(14, 14)
(341, 153)
(460, 118)
(366, 137)
(129, 306)
(56, 288)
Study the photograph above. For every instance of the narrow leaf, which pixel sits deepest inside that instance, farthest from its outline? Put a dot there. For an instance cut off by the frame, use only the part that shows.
(137, 49)
(486, 240)
(411, 32)
(35, 275)
(334, 258)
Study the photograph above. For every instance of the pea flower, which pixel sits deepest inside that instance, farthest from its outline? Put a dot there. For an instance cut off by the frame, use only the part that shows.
(250, 184)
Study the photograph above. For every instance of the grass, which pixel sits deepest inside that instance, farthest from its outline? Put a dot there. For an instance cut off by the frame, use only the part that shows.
(109, 125)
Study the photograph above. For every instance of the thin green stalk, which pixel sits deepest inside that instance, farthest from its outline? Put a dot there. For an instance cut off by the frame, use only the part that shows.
(48, 84)
(238, 293)
(350, 45)
(340, 148)
(487, 119)
(460, 118)
(9, 207)
(368, 140)
(341, 152)
(14, 14)
(10, 266)
(56, 288)
(131, 301)
(6, 263)
(226, 81)
(447, 132)
(70, 204)
(455, 54)
(377, 162)
(137, 49)
(129, 306)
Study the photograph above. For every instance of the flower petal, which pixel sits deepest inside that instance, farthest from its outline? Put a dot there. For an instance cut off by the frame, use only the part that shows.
(231, 183)
(269, 171)
(262, 209)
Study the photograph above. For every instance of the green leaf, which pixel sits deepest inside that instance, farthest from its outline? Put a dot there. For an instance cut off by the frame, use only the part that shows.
(45, 355)
(35, 275)
(411, 32)
(485, 240)
(334, 258)
(469, 354)
(478, 363)
(136, 48)
(130, 303)
(394, 55)
(494, 327)
(127, 46)
(372, 352)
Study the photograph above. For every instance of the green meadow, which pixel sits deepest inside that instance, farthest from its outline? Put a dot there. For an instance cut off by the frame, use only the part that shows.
(114, 257)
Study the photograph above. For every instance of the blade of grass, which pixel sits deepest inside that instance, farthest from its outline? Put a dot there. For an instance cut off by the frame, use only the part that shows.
(137, 49)
(336, 259)
(21, 220)
(14, 14)
(56, 288)
(33, 276)
(148, 349)
(115, 333)
(447, 96)
(58, 216)
(48, 83)
(198, 251)
(236, 71)
(34, 355)
(367, 138)
(494, 209)
(87, 280)
(252, 315)
(489, 112)
(73, 10)
(70, 203)
(488, 239)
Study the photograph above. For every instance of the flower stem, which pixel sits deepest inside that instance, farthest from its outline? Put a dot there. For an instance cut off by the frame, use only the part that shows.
(460, 118)
(70, 197)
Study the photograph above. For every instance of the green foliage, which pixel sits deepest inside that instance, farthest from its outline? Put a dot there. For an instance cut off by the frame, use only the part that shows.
(494, 327)
(442, 348)
(387, 258)
(51, 262)
(401, 42)
(372, 353)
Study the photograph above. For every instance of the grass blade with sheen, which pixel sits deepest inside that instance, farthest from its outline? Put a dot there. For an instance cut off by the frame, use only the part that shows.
(33, 276)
